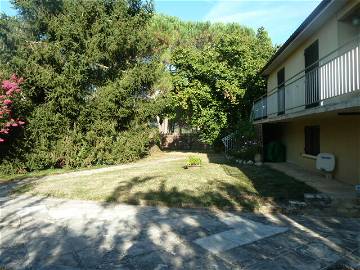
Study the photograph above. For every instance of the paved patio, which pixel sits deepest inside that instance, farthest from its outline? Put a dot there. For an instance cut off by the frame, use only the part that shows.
(331, 187)
(46, 233)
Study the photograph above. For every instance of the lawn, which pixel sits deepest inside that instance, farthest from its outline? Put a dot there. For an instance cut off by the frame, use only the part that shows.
(162, 181)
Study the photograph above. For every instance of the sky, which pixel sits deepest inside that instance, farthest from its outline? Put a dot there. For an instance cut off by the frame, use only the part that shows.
(279, 17)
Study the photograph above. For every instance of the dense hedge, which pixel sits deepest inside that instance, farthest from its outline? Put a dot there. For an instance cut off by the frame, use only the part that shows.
(81, 150)
(89, 72)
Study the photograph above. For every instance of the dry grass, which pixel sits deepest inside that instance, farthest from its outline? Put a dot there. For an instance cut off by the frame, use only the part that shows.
(215, 184)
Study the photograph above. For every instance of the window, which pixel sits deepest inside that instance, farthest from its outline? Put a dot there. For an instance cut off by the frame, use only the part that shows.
(312, 140)
(281, 91)
(312, 89)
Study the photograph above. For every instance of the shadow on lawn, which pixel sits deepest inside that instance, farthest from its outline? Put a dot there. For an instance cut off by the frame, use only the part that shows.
(268, 183)
(222, 196)
(257, 186)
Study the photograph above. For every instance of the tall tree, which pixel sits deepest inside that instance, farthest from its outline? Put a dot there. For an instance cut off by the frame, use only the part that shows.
(89, 71)
(215, 72)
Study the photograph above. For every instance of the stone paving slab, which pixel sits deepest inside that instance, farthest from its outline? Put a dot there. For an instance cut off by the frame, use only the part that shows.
(242, 235)
(47, 233)
(216, 243)
(246, 231)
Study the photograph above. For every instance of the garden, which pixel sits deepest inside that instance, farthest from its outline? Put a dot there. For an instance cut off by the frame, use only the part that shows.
(85, 83)
(177, 179)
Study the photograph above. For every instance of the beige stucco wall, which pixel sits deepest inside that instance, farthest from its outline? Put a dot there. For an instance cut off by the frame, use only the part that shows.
(330, 35)
(339, 135)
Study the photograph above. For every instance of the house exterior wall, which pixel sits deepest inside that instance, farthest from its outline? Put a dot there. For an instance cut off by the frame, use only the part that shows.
(328, 41)
(339, 135)
(331, 35)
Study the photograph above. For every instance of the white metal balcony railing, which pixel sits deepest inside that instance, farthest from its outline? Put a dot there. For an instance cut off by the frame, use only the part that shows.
(338, 73)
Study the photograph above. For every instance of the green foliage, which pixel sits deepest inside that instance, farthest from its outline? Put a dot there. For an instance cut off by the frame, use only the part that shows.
(90, 71)
(97, 73)
(246, 131)
(247, 145)
(215, 72)
(193, 161)
(245, 153)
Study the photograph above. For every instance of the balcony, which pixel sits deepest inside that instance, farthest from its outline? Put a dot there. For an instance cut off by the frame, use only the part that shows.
(333, 83)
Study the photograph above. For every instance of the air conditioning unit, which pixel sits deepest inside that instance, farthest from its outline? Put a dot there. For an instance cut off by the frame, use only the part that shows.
(325, 162)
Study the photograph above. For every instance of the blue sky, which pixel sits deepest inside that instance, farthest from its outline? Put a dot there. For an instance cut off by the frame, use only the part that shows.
(279, 17)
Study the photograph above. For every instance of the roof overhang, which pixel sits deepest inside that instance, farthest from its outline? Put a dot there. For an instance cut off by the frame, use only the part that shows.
(325, 10)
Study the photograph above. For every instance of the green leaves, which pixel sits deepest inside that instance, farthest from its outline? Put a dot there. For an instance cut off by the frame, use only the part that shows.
(90, 73)
(98, 72)
(210, 81)
(215, 67)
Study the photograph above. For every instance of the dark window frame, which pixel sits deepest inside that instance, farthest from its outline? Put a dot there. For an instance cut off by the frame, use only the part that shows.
(312, 140)
(281, 90)
(312, 84)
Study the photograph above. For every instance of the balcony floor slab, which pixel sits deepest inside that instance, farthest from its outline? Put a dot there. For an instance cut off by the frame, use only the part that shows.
(350, 101)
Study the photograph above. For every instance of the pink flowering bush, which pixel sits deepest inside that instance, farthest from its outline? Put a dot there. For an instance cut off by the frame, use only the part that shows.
(10, 93)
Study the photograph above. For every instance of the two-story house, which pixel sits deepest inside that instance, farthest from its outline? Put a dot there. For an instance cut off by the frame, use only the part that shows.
(312, 104)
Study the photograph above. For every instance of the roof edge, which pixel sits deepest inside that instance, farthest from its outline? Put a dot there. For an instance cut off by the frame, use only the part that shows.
(323, 4)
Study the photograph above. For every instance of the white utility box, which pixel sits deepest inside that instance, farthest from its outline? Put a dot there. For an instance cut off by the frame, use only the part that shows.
(325, 162)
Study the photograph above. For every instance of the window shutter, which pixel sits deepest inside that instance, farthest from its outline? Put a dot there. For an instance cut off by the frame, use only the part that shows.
(312, 140)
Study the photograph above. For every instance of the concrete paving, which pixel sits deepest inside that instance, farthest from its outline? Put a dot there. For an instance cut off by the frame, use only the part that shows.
(45, 233)
(317, 180)
(245, 232)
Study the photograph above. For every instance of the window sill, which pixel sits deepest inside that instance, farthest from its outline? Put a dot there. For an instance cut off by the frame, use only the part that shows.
(308, 156)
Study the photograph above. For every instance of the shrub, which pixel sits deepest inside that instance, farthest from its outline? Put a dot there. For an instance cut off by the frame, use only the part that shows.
(247, 145)
(88, 105)
(246, 152)
(10, 120)
(75, 150)
(193, 161)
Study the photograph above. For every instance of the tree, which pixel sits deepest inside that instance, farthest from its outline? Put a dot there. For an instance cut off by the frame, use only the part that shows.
(215, 72)
(89, 72)
(97, 73)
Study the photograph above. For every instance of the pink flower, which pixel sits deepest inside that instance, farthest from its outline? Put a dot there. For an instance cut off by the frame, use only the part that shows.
(16, 79)
(7, 89)
(10, 92)
(7, 102)
(7, 85)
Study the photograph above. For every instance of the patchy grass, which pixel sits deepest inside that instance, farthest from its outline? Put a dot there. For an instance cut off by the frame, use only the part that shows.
(42, 173)
(35, 174)
(214, 184)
